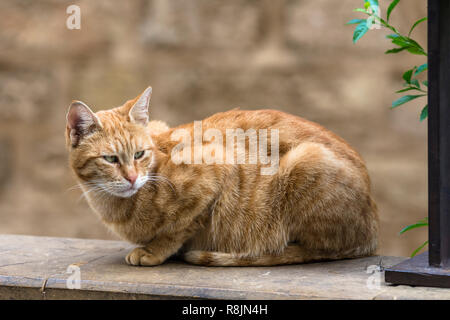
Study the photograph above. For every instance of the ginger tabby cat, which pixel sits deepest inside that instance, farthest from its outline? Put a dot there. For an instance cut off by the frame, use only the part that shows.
(316, 206)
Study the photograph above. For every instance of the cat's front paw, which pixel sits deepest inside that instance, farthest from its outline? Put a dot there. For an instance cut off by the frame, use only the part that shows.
(142, 257)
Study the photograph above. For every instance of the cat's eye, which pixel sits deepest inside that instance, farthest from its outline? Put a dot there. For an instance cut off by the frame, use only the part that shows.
(139, 155)
(111, 159)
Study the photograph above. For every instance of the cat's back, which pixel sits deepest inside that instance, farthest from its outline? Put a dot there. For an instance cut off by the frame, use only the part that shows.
(293, 130)
(289, 125)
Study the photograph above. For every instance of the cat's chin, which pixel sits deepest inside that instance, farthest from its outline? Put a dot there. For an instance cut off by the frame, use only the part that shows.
(125, 194)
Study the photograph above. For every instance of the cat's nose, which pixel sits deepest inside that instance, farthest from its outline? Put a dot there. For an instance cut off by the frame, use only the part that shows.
(132, 178)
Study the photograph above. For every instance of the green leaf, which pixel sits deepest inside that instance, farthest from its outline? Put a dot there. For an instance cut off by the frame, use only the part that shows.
(421, 223)
(391, 7)
(407, 89)
(405, 99)
(414, 226)
(424, 220)
(416, 48)
(413, 42)
(407, 76)
(419, 248)
(415, 83)
(421, 68)
(356, 21)
(418, 51)
(425, 83)
(360, 30)
(373, 4)
(401, 41)
(406, 43)
(424, 113)
(416, 24)
(393, 36)
(395, 50)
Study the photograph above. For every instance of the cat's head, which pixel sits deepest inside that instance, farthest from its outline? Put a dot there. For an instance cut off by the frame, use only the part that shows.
(111, 151)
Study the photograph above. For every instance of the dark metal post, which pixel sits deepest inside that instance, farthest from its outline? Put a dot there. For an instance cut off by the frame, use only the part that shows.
(432, 268)
(439, 132)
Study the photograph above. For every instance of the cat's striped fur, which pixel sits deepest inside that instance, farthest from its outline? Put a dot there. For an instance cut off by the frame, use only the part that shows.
(317, 206)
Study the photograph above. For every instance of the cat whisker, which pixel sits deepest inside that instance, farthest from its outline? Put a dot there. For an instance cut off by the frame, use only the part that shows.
(96, 188)
(80, 185)
(158, 177)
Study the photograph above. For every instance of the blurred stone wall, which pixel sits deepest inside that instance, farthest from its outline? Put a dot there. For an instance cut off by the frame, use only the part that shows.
(201, 57)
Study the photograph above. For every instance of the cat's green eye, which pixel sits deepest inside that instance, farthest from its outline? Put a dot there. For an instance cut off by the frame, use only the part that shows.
(139, 155)
(111, 159)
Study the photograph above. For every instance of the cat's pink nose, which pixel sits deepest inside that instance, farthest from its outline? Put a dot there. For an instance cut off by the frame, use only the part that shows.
(132, 178)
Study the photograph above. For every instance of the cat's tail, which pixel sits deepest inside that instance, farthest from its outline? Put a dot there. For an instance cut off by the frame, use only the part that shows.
(293, 254)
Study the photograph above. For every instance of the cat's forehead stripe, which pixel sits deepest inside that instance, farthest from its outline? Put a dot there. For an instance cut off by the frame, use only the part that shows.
(122, 138)
(112, 147)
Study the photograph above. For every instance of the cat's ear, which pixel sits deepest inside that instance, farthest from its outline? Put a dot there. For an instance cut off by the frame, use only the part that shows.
(139, 111)
(81, 121)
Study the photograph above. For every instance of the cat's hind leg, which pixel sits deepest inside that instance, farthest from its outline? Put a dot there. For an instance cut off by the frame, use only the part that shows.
(325, 198)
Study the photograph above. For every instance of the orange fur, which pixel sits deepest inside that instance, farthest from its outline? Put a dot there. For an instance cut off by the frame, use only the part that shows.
(316, 206)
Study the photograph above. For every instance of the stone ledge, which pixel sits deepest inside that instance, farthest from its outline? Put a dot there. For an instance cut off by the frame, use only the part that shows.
(36, 268)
